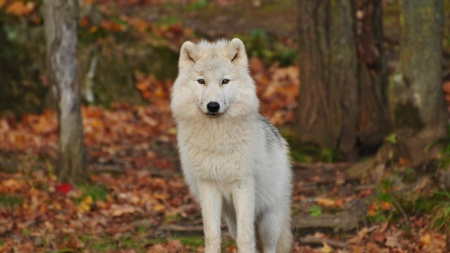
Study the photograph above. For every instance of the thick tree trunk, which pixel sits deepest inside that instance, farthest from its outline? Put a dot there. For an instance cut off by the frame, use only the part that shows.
(343, 79)
(417, 98)
(342, 99)
(61, 19)
(324, 69)
(374, 122)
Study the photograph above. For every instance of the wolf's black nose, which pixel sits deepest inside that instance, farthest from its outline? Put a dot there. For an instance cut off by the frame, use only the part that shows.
(213, 106)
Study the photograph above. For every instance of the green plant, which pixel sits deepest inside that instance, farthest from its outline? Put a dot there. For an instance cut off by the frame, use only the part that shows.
(195, 241)
(409, 175)
(96, 191)
(128, 242)
(392, 138)
(315, 211)
(199, 4)
(444, 155)
(265, 46)
(328, 155)
(379, 216)
(104, 245)
(26, 232)
(440, 212)
(170, 218)
(436, 204)
(10, 201)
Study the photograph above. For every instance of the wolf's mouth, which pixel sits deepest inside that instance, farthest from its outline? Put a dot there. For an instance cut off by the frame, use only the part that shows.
(212, 115)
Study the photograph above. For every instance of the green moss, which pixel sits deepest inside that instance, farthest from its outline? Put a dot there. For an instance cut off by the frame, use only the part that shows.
(21, 67)
(10, 201)
(102, 246)
(195, 241)
(308, 152)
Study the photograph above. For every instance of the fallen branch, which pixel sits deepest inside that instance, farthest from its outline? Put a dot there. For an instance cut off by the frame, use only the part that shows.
(178, 228)
(343, 221)
(399, 207)
(346, 220)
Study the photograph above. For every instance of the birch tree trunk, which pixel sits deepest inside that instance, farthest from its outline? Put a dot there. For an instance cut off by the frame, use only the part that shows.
(417, 98)
(342, 99)
(61, 20)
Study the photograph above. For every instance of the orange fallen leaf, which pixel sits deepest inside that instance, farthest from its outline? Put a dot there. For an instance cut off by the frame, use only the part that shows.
(20, 8)
(159, 207)
(386, 206)
(326, 202)
(112, 26)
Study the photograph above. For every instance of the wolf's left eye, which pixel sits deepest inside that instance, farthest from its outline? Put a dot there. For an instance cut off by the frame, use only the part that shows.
(201, 81)
(225, 81)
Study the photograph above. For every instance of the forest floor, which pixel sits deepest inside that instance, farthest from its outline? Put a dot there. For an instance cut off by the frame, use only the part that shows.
(138, 200)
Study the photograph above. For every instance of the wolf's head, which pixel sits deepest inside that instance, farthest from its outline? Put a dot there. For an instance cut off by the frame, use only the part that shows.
(213, 81)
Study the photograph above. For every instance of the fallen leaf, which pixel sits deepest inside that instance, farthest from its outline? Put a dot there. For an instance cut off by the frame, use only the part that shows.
(85, 204)
(433, 242)
(326, 248)
(64, 188)
(378, 237)
(385, 206)
(118, 210)
(359, 237)
(392, 240)
(20, 8)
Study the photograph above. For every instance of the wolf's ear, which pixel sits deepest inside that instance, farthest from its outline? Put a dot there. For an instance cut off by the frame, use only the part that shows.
(188, 55)
(236, 52)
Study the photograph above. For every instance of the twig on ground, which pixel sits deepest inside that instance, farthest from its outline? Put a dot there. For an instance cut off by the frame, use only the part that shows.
(178, 228)
(397, 205)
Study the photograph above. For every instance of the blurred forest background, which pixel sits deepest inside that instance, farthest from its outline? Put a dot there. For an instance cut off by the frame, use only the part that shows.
(359, 88)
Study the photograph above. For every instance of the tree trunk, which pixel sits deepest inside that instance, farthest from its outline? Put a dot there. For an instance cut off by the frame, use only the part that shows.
(342, 99)
(375, 121)
(319, 114)
(417, 98)
(61, 19)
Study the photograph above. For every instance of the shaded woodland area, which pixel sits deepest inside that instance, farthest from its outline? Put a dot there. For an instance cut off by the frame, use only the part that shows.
(359, 88)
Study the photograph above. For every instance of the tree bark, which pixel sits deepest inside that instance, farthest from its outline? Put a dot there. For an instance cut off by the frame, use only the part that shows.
(319, 113)
(417, 97)
(375, 121)
(342, 100)
(61, 19)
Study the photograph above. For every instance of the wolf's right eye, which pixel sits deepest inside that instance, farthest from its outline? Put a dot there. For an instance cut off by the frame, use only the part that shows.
(201, 81)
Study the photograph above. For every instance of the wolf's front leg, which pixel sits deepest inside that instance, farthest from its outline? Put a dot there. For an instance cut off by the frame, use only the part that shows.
(211, 203)
(244, 204)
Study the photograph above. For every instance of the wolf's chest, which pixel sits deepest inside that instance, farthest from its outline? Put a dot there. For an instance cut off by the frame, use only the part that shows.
(218, 157)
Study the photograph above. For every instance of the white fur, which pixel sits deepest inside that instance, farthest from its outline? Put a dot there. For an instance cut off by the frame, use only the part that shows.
(236, 164)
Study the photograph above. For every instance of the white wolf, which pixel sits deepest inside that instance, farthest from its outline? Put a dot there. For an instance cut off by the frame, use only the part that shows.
(235, 162)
